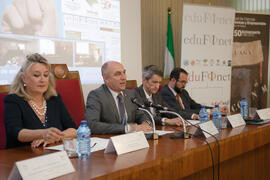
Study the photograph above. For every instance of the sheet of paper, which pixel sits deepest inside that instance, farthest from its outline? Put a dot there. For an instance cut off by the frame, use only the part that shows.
(193, 122)
(264, 113)
(161, 132)
(208, 127)
(127, 143)
(97, 144)
(236, 120)
(43, 167)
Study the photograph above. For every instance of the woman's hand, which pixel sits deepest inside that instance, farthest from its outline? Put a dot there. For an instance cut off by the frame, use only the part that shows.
(36, 143)
(52, 135)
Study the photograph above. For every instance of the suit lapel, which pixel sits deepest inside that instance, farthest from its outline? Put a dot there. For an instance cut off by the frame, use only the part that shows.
(141, 92)
(143, 96)
(113, 106)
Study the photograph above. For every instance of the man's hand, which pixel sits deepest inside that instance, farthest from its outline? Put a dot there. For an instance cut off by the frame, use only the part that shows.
(33, 17)
(173, 122)
(145, 127)
(195, 117)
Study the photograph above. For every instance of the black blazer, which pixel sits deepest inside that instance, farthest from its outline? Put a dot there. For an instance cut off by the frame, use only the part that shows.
(190, 105)
(19, 115)
(157, 99)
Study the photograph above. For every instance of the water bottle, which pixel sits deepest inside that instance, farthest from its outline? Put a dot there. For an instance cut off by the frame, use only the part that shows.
(203, 115)
(83, 137)
(244, 108)
(217, 117)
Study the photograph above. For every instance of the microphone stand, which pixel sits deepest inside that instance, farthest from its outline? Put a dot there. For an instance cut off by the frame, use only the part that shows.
(184, 134)
(152, 135)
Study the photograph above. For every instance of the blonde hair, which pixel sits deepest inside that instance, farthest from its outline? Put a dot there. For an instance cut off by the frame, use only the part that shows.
(17, 87)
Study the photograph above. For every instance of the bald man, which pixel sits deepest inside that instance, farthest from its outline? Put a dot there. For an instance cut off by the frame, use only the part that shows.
(109, 109)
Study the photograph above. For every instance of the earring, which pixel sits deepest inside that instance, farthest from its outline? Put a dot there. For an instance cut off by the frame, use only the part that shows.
(24, 85)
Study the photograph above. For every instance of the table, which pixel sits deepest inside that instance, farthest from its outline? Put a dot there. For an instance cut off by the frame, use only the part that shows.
(244, 154)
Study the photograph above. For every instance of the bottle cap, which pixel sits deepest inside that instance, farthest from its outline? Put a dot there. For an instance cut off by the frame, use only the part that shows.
(84, 122)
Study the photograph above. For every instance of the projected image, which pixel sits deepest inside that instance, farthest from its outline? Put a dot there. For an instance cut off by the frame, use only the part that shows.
(82, 34)
(14, 50)
(57, 52)
(89, 54)
(30, 17)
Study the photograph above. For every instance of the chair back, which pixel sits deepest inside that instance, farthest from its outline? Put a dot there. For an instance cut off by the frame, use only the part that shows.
(4, 89)
(163, 83)
(131, 84)
(68, 85)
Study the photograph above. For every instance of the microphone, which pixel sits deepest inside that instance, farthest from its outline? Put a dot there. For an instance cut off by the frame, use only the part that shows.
(142, 107)
(135, 101)
(156, 106)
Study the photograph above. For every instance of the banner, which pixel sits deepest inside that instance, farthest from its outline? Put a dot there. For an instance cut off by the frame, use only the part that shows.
(250, 60)
(207, 38)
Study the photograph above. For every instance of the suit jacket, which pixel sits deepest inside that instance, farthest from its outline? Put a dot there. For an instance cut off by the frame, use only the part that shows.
(19, 115)
(102, 114)
(156, 98)
(190, 105)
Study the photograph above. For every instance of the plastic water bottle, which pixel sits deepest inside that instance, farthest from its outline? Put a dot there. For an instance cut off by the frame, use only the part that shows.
(244, 108)
(83, 137)
(203, 115)
(217, 117)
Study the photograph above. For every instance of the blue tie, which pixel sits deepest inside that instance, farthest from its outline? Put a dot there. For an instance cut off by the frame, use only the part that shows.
(121, 107)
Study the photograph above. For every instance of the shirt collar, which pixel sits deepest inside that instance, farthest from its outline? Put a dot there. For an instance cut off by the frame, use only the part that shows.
(146, 94)
(173, 91)
(114, 94)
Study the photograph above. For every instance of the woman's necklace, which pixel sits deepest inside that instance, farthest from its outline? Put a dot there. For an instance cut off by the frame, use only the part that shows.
(39, 110)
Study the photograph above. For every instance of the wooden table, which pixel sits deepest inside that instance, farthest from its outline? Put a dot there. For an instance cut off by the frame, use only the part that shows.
(244, 154)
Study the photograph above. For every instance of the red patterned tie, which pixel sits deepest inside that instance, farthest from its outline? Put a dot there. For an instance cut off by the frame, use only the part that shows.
(179, 101)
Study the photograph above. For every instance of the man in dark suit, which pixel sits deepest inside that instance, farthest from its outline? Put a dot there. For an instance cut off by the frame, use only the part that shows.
(148, 91)
(109, 109)
(175, 95)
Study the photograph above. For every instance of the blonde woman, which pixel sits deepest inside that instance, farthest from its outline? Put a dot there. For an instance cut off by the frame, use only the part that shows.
(34, 113)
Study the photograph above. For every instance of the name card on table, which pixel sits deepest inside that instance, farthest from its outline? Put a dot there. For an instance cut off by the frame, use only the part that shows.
(208, 127)
(42, 167)
(264, 113)
(236, 120)
(127, 143)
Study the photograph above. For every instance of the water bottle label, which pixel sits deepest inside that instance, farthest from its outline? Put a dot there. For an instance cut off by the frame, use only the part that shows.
(84, 136)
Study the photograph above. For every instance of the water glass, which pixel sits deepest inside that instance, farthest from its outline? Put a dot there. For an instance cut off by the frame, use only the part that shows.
(70, 146)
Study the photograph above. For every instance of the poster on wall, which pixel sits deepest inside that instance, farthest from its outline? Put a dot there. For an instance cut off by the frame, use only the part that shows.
(250, 60)
(207, 37)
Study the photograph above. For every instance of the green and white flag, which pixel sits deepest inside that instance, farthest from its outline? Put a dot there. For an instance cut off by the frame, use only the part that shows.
(169, 62)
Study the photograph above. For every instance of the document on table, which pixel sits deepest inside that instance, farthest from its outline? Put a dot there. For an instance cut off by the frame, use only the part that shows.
(97, 144)
(160, 132)
(194, 122)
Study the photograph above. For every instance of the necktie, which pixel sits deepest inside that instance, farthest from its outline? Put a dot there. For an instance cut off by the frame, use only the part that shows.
(151, 108)
(180, 102)
(122, 111)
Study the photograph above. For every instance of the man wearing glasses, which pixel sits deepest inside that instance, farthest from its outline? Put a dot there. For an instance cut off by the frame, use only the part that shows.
(175, 95)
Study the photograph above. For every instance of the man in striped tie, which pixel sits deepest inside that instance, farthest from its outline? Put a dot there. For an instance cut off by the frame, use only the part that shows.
(148, 91)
